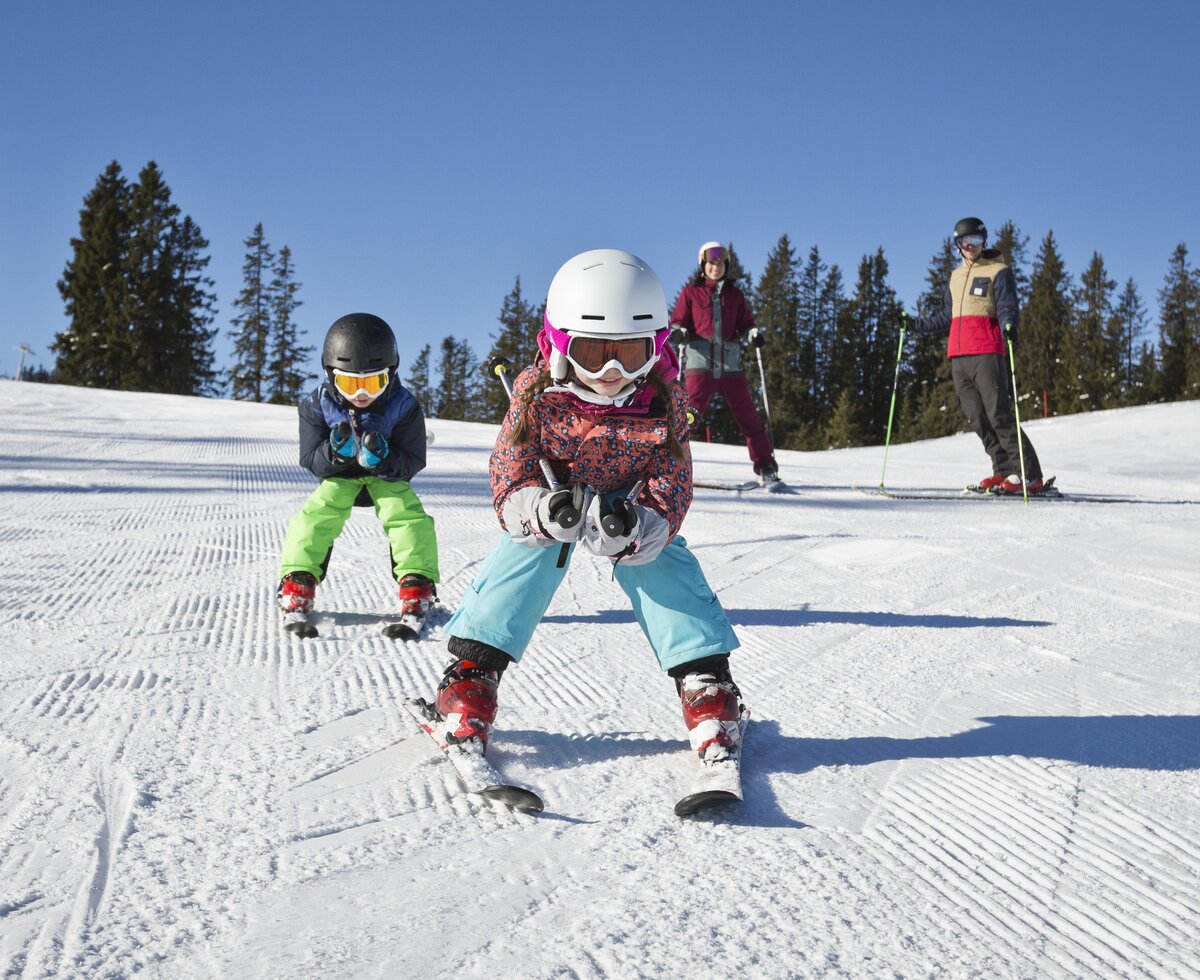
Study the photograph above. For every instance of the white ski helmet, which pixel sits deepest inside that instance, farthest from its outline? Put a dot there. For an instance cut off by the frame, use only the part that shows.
(606, 294)
(706, 246)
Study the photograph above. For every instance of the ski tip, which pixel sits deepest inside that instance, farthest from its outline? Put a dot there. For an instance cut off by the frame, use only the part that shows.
(704, 800)
(516, 797)
(399, 631)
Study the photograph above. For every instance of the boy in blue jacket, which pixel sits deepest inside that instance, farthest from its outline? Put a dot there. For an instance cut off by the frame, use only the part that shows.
(362, 434)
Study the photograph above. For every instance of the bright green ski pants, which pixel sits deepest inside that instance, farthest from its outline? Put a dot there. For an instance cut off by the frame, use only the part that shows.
(410, 531)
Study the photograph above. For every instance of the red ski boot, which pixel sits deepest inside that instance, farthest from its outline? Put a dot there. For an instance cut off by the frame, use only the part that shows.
(297, 591)
(466, 700)
(417, 596)
(711, 711)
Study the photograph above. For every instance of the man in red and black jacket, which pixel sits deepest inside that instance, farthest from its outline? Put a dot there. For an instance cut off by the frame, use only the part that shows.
(981, 296)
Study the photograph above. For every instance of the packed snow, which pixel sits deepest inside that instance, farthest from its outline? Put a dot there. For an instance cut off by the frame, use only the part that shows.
(975, 744)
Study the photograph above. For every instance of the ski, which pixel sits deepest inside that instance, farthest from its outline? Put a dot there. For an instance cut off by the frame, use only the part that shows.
(297, 623)
(732, 487)
(965, 494)
(717, 783)
(478, 776)
(404, 627)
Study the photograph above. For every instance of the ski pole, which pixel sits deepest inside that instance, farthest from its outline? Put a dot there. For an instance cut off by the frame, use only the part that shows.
(895, 385)
(762, 378)
(1012, 369)
(565, 512)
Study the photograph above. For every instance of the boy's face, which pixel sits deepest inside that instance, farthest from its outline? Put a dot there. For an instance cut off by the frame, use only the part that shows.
(359, 400)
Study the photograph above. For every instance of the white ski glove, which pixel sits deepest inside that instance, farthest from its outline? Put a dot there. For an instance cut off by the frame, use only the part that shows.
(527, 515)
(638, 545)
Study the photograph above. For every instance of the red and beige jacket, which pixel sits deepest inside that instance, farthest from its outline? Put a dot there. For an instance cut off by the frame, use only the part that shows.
(980, 297)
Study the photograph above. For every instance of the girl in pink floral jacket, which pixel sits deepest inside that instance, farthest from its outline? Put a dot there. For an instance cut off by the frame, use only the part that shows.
(603, 412)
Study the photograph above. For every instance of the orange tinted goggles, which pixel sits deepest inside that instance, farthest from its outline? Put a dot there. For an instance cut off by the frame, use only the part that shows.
(352, 384)
(592, 353)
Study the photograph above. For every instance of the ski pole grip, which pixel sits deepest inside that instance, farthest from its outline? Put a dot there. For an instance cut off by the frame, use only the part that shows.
(563, 511)
(499, 367)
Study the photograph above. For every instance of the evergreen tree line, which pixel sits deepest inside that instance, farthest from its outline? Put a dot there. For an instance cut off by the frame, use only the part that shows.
(141, 311)
(830, 363)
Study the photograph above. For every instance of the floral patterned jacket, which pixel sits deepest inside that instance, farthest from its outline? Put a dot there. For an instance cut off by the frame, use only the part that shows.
(600, 446)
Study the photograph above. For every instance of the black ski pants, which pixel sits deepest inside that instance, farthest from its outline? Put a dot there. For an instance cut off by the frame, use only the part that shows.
(984, 389)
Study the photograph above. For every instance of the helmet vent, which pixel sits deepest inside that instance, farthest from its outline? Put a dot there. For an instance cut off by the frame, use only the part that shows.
(590, 316)
(644, 316)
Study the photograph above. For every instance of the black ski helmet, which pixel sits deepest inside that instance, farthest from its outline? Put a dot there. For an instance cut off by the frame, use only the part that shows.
(359, 343)
(970, 226)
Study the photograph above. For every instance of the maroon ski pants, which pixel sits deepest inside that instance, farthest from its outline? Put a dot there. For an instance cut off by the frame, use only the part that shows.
(735, 391)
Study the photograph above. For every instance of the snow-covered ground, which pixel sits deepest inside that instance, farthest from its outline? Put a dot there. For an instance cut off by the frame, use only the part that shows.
(976, 745)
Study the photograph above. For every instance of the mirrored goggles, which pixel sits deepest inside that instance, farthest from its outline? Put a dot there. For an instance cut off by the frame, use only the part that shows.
(595, 355)
(974, 241)
(715, 254)
(351, 384)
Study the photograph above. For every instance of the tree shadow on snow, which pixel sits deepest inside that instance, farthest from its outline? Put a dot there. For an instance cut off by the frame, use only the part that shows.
(808, 617)
(1157, 743)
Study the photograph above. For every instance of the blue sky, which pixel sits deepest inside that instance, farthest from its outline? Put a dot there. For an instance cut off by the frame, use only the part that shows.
(418, 157)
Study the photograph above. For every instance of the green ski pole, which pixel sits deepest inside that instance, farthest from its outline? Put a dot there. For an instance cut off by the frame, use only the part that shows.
(892, 408)
(1012, 369)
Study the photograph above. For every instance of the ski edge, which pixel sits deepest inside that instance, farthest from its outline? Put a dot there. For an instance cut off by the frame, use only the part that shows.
(476, 774)
(700, 796)
(732, 487)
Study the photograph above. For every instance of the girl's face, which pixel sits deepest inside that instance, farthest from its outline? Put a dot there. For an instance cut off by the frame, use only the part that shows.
(714, 270)
(607, 385)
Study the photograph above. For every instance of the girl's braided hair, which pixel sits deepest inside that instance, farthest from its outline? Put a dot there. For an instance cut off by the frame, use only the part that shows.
(520, 432)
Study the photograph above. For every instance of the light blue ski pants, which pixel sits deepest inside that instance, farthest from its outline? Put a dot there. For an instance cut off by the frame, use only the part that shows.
(671, 599)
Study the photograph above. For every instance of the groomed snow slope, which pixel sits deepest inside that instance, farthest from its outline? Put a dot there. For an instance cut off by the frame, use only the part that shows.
(976, 744)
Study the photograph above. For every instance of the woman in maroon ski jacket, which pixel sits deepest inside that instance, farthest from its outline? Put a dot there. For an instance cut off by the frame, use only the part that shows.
(715, 320)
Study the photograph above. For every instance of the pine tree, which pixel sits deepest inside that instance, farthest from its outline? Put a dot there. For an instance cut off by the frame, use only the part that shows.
(777, 313)
(1044, 368)
(248, 378)
(864, 365)
(170, 302)
(285, 365)
(812, 350)
(846, 427)
(193, 309)
(930, 396)
(93, 288)
(419, 384)
(139, 301)
(1179, 329)
(516, 341)
(1129, 323)
(831, 305)
(1014, 251)
(1098, 350)
(457, 395)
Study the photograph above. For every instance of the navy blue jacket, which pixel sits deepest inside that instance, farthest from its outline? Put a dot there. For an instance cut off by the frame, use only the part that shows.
(395, 414)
